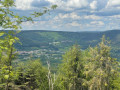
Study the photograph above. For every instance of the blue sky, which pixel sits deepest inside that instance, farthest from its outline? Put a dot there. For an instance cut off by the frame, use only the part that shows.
(72, 15)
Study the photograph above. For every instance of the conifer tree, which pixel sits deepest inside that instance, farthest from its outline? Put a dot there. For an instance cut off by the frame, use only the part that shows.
(36, 76)
(71, 75)
(102, 67)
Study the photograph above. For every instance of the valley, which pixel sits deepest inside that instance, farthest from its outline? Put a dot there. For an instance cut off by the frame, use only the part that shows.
(51, 45)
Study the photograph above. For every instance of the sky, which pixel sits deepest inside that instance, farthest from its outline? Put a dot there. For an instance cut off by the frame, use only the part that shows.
(71, 15)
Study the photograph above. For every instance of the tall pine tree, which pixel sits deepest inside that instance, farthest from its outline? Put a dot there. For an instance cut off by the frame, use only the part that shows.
(102, 66)
(71, 75)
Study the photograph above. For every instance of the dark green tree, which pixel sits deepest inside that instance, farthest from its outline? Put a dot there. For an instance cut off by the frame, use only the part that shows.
(36, 76)
(31, 76)
(71, 73)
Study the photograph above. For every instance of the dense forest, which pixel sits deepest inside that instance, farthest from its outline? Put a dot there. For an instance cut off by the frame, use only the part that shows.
(51, 45)
(90, 69)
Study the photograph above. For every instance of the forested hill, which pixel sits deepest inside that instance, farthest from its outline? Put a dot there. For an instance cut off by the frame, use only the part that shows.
(56, 42)
(40, 39)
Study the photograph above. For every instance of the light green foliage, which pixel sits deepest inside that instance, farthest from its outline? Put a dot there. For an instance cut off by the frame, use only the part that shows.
(35, 76)
(54, 36)
(7, 54)
(54, 7)
(44, 11)
(71, 75)
(9, 20)
(93, 69)
(116, 82)
(101, 67)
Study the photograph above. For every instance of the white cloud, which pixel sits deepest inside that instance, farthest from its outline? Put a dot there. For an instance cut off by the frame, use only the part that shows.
(115, 16)
(60, 3)
(54, 1)
(74, 24)
(112, 3)
(93, 5)
(23, 4)
(94, 17)
(69, 5)
(97, 23)
(73, 16)
(77, 3)
(28, 23)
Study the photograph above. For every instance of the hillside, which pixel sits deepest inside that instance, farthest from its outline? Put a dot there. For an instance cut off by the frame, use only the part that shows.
(50, 45)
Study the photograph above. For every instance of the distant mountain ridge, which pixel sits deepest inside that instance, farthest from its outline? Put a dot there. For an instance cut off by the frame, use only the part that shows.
(41, 37)
(61, 41)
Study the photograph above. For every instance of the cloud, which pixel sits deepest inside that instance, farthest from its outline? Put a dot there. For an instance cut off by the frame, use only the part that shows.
(93, 5)
(97, 23)
(72, 14)
(68, 16)
(74, 24)
(94, 17)
(23, 4)
(77, 3)
(54, 1)
(40, 3)
(115, 16)
(31, 4)
(108, 12)
(113, 3)
(70, 5)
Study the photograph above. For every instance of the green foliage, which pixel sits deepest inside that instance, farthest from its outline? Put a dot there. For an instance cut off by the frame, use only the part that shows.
(33, 76)
(9, 20)
(102, 67)
(92, 69)
(54, 7)
(56, 43)
(7, 55)
(39, 73)
(116, 82)
(71, 76)
(44, 11)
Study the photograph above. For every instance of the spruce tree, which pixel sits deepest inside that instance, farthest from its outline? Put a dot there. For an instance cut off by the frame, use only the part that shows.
(102, 67)
(71, 75)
